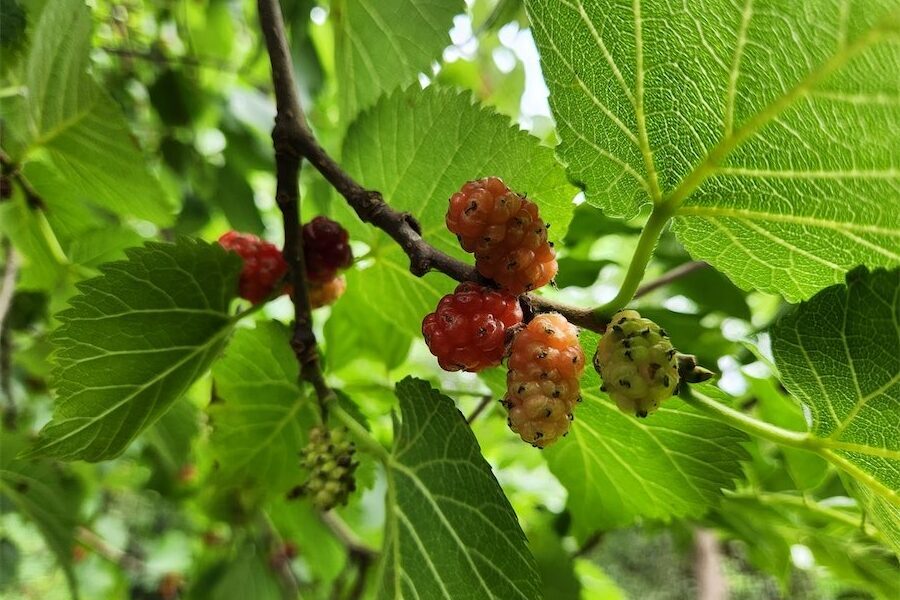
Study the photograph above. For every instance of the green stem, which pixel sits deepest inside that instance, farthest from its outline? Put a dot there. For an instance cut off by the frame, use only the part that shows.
(748, 424)
(642, 254)
(359, 433)
(775, 499)
(786, 437)
(50, 238)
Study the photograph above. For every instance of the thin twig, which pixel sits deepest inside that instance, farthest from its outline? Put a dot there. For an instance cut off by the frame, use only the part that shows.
(359, 553)
(158, 57)
(7, 289)
(98, 545)
(345, 535)
(589, 544)
(290, 124)
(11, 169)
(8, 281)
(485, 401)
(282, 566)
(670, 276)
(369, 205)
(708, 573)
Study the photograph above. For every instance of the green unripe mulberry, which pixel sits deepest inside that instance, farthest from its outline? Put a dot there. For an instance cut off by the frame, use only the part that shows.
(637, 363)
(329, 459)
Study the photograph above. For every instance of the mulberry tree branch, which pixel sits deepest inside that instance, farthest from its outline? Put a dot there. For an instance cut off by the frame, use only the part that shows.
(297, 141)
(290, 125)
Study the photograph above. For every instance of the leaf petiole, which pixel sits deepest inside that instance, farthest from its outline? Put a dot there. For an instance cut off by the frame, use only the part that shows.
(359, 433)
(642, 254)
(748, 424)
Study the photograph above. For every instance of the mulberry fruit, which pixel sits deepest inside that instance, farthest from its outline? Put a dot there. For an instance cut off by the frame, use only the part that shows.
(329, 459)
(468, 329)
(542, 387)
(326, 249)
(505, 232)
(323, 294)
(637, 363)
(263, 269)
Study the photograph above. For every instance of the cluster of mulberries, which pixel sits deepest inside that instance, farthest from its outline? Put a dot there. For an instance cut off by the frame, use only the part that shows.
(326, 249)
(505, 232)
(329, 459)
(263, 268)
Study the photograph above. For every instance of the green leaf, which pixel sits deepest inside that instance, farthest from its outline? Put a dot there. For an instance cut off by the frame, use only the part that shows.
(617, 468)
(839, 353)
(44, 264)
(247, 574)
(261, 421)
(451, 532)
(840, 539)
(133, 342)
(44, 493)
(169, 442)
(418, 147)
(352, 330)
(383, 44)
(72, 124)
(10, 557)
(807, 469)
(768, 125)
(555, 564)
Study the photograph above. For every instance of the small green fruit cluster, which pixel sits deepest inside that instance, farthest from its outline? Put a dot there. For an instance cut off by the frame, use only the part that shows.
(637, 363)
(329, 459)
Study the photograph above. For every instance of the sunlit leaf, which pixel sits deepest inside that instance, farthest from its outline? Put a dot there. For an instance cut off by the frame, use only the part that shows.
(768, 125)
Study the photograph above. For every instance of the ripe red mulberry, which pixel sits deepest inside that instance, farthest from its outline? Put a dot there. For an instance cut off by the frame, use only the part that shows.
(263, 269)
(468, 329)
(505, 232)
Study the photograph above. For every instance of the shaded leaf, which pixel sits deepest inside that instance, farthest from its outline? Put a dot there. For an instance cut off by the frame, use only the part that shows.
(451, 532)
(260, 423)
(72, 124)
(839, 353)
(381, 45)
(44, 493)
(618, 468)
(133, 341)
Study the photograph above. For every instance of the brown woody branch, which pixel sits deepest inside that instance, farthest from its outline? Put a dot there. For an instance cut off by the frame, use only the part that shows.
(670, 276)
(296, 141)
(11, 172)
(290, 125)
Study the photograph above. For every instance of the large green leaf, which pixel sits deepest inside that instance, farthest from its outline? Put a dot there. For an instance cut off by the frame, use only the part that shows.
(617, 468)
(133, 341)
(383, 44)
(451, 532)
(838, 536)
(46, 494)
(807, 469)
(71, 124)
(246, 574)
(260, 423)
(769, 125)
(418, 147)
(839, 353)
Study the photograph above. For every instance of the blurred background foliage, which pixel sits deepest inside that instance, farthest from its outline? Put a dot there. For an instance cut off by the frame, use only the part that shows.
(192, 78)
